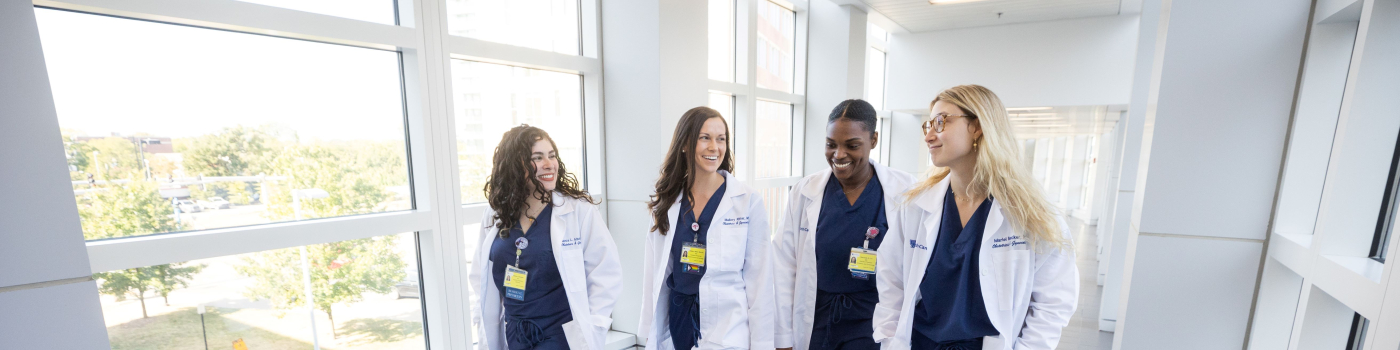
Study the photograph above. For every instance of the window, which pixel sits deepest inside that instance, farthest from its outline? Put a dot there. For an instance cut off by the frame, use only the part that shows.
(176, 128)
(876, 151)
(1357, 339)
(773, 143)
(1386, 223)
(377, 11)
(877, 32)
(721, 28)
(550, 25)
(724, 103)
(365, 294)
(489, 99)
(875, 77)
(777, 35)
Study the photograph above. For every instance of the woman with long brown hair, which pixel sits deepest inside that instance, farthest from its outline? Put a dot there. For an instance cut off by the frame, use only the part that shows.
(547, 272)
(707, 281)
(983, 261)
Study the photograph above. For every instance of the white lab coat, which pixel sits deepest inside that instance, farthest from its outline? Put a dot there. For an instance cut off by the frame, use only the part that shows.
(795, 259)
(1029, 295)
(736, 292)
(588, 264)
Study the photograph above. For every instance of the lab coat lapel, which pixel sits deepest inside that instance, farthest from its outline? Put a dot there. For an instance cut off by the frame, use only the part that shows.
(932, 203)
(815, 191)
(989, 269)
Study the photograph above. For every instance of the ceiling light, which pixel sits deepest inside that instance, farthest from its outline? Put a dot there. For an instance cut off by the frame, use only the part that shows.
(1028, 108)
(945, 2)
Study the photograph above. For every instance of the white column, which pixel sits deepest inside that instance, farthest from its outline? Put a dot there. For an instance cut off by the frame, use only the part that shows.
(835, 73)
(1055, 171)
(47, 292)
(1074, 173)
(655, 59)
(1114, 227)
(1204, 195)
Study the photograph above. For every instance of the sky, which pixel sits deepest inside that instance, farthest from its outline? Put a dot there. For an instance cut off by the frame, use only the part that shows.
(127, 76)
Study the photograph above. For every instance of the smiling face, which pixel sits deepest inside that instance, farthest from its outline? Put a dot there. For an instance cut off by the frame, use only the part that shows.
(711, 146)
(848, 146)
(953, 145)
(545, 159)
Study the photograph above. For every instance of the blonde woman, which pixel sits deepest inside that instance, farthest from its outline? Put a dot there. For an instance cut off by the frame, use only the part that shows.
(982, 259)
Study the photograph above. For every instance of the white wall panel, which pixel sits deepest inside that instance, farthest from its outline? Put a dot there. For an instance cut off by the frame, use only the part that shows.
(1189, 293)
(65, 316)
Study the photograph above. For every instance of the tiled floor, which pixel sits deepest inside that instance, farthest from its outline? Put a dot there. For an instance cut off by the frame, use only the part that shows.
(1083, 330)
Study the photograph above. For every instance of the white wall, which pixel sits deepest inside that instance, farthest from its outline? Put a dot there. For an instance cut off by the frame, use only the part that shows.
(46, 290)
(1060, 63)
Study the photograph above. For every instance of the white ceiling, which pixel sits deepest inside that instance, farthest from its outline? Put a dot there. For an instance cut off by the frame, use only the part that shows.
(920, 16)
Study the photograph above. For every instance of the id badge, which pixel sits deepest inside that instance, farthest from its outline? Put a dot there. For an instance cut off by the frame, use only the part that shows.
(693, 256)
(515, 282)
(862, 263)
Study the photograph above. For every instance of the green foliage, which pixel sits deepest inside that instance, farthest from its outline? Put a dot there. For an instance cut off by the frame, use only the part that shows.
(136, 282)
(341, 273)
(135, 208)
(351, 191)
(233, 151)
(173, 276)
(115, 158)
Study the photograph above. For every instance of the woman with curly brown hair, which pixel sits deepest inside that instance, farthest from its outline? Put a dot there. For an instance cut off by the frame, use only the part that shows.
(547, 273)
(707, 281)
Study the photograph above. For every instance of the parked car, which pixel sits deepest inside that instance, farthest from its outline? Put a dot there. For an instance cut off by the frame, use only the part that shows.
(215, 203)
(188, 206)
(408, 288)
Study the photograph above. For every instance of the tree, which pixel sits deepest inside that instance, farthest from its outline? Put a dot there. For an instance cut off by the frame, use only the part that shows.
(138, 281)
(233, 151)
(172, 276)
(341, 273)
(115, 158)
(124, 283)
(351, 192)
(135, 208)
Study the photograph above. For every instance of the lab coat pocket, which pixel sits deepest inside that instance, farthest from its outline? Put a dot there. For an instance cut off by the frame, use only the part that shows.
(728, 254)
(574, 336)
(1012, 269)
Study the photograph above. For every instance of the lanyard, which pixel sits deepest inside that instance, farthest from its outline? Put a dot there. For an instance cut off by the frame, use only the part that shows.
(873, 231)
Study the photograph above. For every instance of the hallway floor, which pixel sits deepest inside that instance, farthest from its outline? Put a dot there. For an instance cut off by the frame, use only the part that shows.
(1083, 330)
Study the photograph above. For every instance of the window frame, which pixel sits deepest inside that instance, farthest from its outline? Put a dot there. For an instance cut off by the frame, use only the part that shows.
(747, 93)
(425, 49)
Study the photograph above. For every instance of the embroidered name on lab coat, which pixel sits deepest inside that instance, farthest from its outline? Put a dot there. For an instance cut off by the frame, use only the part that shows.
(1007, 242)
(572, 242)
(743, 220)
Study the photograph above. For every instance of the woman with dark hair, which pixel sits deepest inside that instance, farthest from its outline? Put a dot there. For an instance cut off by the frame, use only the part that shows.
(547, 273)
(707, 281)
(828, 236)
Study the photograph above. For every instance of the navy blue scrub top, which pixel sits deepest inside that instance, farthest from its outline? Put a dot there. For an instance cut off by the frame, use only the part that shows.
(545, 310)
(952, 308)
(680, 281)
(840, 227)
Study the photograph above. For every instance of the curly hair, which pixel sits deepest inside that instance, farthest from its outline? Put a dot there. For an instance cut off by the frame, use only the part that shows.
(678, 171)
(512, 181)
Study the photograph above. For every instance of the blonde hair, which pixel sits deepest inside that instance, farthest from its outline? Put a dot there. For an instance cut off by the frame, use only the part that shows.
(998, 171)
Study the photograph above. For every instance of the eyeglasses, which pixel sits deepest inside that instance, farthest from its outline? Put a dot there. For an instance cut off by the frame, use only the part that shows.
(936, 124)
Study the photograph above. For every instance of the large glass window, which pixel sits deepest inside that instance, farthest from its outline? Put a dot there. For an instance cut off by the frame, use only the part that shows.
(173, 128)
(721, 41)
(875, 77)
(550, 25)
(489, 99)
(377, 11)
(363, 293)
(724, 103)
(776, 46)
(773, 142)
